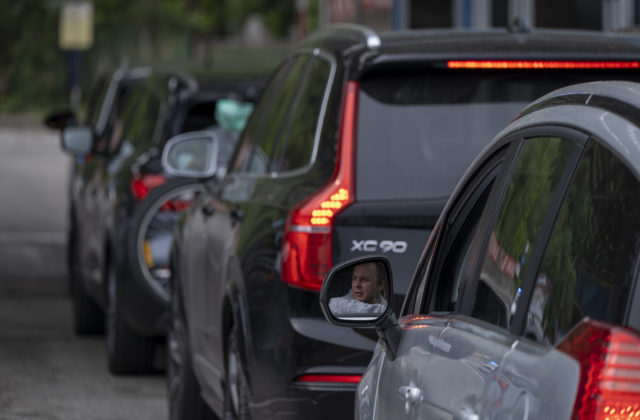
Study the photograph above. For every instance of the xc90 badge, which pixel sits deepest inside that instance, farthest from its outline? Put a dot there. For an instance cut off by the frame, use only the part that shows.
(371, 245)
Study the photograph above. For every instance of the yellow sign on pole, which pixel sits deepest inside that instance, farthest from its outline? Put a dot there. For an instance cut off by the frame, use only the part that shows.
(76, 25)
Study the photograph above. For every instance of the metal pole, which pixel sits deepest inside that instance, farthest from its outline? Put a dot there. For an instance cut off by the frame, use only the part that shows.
(75, 90)
(472, 14)
(617, 14)
(400, 14)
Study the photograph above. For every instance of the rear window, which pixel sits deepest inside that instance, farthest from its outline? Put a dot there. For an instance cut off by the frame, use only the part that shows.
(419, 131)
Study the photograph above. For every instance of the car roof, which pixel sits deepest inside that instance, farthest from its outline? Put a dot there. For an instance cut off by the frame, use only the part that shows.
(607, 110)
(362, 49)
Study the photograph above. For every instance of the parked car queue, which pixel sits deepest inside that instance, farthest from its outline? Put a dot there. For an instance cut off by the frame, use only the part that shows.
(120, 233)
(354, 147)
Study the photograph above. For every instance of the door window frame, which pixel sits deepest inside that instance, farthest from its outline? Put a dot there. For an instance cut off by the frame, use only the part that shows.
(579, 139)
(311, 54)
(511, 147)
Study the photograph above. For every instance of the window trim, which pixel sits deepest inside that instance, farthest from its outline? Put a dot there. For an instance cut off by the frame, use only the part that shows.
(422, 283)
(513, 145)
(488, 174)
(579, 138)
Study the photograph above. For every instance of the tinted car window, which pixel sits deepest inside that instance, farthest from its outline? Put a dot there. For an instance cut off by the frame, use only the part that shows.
(141, 118)
(96, 100)
(255, 124)
(300, 133)
(590, 261)
(456, 244)
(444, 118)
(536, 176)
(274, 121)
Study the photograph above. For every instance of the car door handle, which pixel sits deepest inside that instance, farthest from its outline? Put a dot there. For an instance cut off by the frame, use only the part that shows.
(411, 395)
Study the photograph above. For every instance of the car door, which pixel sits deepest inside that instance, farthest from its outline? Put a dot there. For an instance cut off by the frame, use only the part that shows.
(231, 206)
(93, 191)
(460, 328)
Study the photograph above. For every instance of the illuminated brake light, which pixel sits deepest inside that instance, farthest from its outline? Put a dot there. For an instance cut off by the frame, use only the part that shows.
(175, 205)
(142, 185)
(352, 379)
(540, 64)
(306, 245)
(609, 359)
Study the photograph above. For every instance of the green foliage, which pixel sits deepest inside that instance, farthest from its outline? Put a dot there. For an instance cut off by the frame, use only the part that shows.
(530, 191)
(33, 70)
(31, 66)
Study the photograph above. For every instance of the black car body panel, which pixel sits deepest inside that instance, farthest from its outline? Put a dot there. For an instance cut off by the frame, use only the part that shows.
(231, 260)
(142, 109)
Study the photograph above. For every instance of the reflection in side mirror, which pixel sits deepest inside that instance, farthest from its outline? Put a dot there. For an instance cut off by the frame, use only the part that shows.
(77, 141)
(357, 292)
(193, 154)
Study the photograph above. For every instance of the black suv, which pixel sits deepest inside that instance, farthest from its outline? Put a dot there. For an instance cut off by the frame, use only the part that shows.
(120, 233)
(353, 149)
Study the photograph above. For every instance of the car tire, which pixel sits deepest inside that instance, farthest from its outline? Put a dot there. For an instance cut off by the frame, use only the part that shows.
(88, 317)
(127, 351)
(141, 219)
(236, 396)
(183, 390)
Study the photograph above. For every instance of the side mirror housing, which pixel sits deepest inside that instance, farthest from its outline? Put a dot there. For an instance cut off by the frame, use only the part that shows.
(193, 155)
(359, 294)
(60, 120)
(77, 141)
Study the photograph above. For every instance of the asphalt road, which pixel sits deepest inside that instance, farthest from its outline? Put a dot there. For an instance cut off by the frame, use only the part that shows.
(46, 372)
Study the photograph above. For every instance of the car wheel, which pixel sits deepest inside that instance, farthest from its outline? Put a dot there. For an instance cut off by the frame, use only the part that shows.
(185, 402)
(88, 317)
(127, 351)
(236, 399)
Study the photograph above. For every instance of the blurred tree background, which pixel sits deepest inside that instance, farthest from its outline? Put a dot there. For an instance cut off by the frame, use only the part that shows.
(207, 37)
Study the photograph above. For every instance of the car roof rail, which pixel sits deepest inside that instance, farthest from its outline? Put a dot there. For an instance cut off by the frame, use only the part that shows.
(358, 33)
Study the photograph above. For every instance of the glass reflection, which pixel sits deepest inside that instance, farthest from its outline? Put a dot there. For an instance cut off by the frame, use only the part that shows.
(193, 155)
(359, 292)
(532, 186)
(590, 262)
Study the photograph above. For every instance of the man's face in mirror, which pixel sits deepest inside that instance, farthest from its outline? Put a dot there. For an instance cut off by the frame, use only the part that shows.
(365, 285)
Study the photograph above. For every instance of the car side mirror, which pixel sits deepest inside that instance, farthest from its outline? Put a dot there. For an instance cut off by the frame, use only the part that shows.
(359, 294)
(77, 141)
(60, 120)
(193, 155)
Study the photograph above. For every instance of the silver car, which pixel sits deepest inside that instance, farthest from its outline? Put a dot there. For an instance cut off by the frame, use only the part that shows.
(524, 304)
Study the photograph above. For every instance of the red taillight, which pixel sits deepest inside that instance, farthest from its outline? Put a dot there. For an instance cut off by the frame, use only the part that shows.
(306, 246)
(540, 64)
(353, 379)
(175, 205)
(140, 186)
(609, 359)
